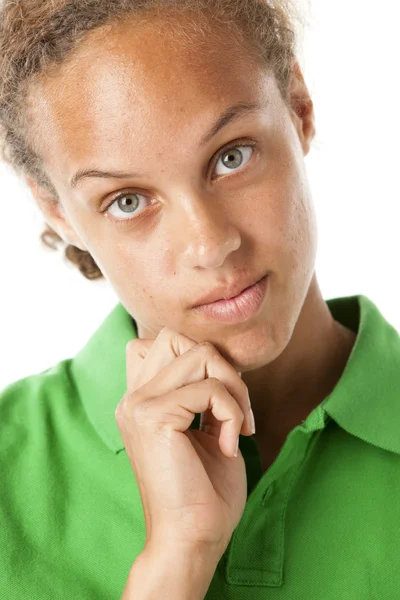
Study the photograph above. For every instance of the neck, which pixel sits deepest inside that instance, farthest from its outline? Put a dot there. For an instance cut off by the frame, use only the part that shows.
(285, 391)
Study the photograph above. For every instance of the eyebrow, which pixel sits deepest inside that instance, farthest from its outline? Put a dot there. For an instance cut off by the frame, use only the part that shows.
(230, 114)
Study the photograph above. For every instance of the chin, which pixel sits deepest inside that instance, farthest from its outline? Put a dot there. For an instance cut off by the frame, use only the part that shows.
(251, 349)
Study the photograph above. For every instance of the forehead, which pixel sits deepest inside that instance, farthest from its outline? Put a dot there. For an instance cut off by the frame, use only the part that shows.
(130, 84)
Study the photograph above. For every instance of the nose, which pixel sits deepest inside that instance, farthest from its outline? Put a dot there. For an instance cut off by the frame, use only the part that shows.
(206, 233)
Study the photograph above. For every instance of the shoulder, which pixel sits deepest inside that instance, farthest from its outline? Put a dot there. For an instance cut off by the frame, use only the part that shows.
(56, 379)
(31, 400)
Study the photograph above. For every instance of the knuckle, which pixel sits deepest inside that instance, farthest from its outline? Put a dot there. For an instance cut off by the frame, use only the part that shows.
(207, 348)
(130, 405)
(148, 413)
(140, 410)
(216, 384)
(168, 336)
(134, 412)
(165, 332)
(120, 410)
(132, 346)
(132, 343)
(118, 413)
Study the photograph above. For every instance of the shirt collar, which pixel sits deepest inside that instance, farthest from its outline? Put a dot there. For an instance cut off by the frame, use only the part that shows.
(365, 401)
(99, 373)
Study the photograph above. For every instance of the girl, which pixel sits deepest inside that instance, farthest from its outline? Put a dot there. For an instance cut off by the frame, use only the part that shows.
(164, 142)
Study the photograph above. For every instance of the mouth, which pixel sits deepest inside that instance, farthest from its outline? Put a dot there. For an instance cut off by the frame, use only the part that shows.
(229, 291)
(238, 308)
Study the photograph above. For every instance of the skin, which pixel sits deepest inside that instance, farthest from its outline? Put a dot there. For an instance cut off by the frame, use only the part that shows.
(144, 107)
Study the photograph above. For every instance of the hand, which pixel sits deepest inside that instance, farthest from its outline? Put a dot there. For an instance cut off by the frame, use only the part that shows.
(193, 490)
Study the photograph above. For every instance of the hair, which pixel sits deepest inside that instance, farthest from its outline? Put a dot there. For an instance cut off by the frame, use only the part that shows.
(38, 36)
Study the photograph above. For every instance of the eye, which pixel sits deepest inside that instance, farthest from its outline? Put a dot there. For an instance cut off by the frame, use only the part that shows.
(235, 157)
(132, 204)
(128, 203)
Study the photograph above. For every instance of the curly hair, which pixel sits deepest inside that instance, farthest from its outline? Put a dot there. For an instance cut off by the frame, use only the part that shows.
(37, 35)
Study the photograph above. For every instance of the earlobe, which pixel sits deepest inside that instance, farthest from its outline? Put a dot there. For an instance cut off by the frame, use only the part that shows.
(54, 214)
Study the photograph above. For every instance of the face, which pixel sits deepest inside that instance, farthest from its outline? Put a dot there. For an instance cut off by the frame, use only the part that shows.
(191, 214)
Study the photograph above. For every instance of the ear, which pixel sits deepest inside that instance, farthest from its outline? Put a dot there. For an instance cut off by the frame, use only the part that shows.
(302, 108)
(54, 214)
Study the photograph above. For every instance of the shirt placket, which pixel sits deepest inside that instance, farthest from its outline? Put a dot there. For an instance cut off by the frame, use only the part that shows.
(255, 554)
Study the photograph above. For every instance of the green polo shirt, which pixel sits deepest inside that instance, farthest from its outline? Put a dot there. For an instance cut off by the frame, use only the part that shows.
(322, 523)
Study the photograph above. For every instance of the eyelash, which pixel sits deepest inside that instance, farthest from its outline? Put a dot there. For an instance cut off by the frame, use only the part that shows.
(231, 146)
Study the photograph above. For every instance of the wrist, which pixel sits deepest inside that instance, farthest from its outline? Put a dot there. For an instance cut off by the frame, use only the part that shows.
(179, 573)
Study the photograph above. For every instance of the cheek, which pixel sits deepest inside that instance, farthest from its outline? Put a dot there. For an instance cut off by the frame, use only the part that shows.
(274, 220)
(144, 271)
(283, 229)
(301, 242)
(292, 209)
(157, 264)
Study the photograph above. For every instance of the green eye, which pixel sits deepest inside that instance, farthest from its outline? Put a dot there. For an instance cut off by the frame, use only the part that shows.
(132, 204)
(127, 203)
(234, 158)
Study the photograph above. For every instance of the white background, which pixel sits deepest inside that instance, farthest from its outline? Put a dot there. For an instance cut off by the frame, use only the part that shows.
(350, 62)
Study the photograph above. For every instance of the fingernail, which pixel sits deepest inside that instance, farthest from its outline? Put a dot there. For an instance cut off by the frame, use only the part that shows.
(252, 422)
(237, 448)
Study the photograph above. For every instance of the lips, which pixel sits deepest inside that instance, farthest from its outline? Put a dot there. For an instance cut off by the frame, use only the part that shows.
(229, 290)
(239, 309)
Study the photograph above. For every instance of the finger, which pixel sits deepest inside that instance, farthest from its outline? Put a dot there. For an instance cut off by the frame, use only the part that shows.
(175, 411)
(166, 348)
(217, 366)
(200, 362)
(209, 424)
(158, 354)
(141, 349)
(137, 350)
